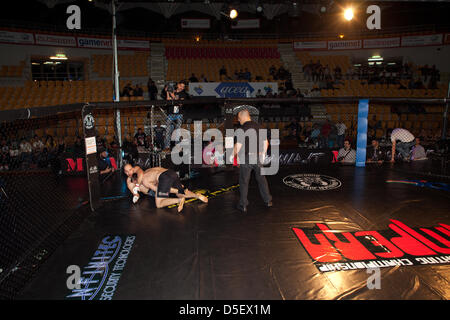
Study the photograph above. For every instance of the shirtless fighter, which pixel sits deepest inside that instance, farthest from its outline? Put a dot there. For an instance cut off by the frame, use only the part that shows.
(163, 182)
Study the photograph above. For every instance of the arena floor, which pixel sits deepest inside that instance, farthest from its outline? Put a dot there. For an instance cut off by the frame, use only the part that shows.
(211, 251)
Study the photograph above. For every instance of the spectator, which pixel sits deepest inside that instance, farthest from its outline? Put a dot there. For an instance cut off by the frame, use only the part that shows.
(138, 91)
(78, 147)
(175, 118)
(340, 134)
(193, 78)
(418, 151)
(223, 74)
(247, 75)
(127, 90)
(148, 142)
(315, 134)
(152, 89)
(347, 155)
(140, 136)
(26, 152)
(4, 155)
(241, 75)
(236, 75)
(374, 153)
(38, 148)
(130, 150)
(160, 133)
(14, 154)
(104, 163)
(402, 140)
(325, 133)
(203, 78)
(295, 130)
(272, 70)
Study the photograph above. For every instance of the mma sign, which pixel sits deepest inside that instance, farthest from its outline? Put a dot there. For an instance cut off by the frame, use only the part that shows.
(400, 245)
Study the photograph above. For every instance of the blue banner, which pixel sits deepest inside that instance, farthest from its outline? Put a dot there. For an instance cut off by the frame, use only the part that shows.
(361, 140)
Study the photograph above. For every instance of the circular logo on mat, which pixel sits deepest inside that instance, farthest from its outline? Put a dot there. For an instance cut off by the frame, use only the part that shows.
(313, 182)
(89, 122)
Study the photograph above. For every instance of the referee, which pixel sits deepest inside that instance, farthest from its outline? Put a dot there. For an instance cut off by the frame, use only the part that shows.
(250, 161)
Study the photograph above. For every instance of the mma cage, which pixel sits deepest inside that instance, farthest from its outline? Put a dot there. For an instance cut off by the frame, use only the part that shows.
(50, 181)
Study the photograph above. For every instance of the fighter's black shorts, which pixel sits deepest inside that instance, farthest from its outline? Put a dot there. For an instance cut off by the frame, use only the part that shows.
(168, 179)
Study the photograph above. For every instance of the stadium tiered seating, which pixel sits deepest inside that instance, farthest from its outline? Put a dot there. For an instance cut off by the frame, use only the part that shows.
(129, 65)
(12, 70)
(187, 58)
(47, 93)
(343, 61)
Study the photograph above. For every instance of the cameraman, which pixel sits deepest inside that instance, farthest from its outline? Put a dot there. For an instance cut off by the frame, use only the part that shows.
(174, 92)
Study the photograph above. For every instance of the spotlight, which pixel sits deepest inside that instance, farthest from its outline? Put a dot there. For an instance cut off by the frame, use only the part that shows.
(348, 14)
(341, 36)
(323, 9)
(259, 9)
(233, 13)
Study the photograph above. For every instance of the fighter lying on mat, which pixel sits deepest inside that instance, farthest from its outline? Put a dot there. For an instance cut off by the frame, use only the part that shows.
(163, 182)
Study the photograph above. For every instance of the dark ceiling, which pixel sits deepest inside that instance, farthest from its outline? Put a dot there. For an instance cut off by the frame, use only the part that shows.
(34, 13)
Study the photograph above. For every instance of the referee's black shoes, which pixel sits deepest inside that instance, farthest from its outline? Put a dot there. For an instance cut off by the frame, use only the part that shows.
(241, 208)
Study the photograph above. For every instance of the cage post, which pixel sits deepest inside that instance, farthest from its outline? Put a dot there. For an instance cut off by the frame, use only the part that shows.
(361, 138)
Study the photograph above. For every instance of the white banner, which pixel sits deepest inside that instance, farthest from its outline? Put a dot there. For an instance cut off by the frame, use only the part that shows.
(16, 37)
(246, 24)
(344, 44)
(231, 89)
(133, 44)
(426, 40)
(310, 45)
(382, 43)
(195, 23)
(96, 43)
(58, 41)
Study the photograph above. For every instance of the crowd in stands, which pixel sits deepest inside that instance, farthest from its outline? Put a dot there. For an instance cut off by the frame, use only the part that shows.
(422, 77)
(130, 91)
(37, 152)
(329, 135)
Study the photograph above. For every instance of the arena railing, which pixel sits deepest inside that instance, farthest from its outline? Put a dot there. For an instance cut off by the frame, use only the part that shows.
(48, 190)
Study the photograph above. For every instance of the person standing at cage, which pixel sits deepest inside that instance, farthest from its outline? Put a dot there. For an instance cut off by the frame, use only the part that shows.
(175, 118)
(250, 160)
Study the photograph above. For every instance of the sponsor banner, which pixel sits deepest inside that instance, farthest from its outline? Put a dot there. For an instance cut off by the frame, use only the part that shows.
(426, 40)
(310, 45)
(133, 44)
(195, 23)
(344, 44)
(399, 246)
(231, 89)
(77, 166)
(305, 156)
(16, 37)
(52, 40)
(246, 24)
(94, 43)
(381, 43)
(100, 277)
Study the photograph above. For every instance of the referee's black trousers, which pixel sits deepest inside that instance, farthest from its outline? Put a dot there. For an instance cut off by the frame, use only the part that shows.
(245, 172)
